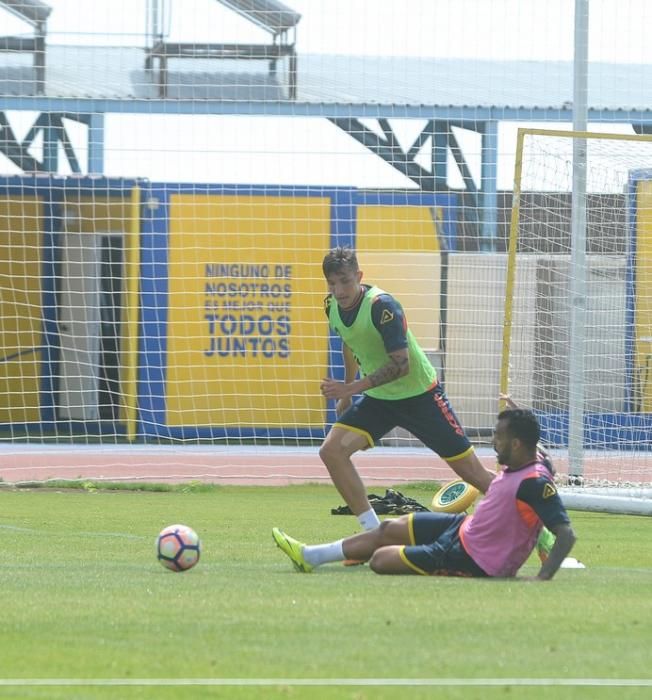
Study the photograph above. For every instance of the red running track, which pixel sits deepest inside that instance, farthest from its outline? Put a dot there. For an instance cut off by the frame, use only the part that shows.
(262, 465)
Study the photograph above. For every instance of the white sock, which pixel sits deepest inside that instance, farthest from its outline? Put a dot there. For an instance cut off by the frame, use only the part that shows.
(369, 520)
(317, 554)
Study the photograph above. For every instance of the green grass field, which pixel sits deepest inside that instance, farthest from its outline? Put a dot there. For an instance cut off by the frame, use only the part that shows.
(83, 597)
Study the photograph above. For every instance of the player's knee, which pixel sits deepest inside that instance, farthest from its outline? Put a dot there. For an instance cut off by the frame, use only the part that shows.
(329, 452)
(384, 533)
(394, 531)
(378, 562)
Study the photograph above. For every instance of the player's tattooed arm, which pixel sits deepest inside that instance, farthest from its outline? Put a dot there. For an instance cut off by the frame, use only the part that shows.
(398, 366)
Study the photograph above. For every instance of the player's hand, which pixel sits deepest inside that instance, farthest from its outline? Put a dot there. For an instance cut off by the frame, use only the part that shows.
(509, 401)
(332, 389)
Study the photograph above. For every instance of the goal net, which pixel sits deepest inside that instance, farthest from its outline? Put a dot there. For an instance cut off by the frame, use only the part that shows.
(172, 173)
(578, 318)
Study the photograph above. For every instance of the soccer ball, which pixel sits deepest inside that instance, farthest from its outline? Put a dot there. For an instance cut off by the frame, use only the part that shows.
(178, 547)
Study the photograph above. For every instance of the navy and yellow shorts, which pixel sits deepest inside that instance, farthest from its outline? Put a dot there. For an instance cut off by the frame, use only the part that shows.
(436, 548)
(428, 416)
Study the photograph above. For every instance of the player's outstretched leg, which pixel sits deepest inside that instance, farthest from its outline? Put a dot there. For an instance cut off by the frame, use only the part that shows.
(293, 548)
(470, 469)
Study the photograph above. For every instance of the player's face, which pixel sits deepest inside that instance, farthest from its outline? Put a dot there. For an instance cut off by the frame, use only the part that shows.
(345, 286)
(502, 444)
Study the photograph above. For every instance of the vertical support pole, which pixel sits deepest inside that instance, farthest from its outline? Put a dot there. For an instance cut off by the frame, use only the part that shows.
(440, 155)
(489, 187)
(292, 70)
(578, 245)
(39, 57)
(50, 144)
(96, 143)
(132, 321)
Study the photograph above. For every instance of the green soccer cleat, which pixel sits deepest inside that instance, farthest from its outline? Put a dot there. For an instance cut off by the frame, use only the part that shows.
(293, 548)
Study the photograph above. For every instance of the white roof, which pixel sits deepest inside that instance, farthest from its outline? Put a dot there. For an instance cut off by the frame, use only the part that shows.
(83, 72)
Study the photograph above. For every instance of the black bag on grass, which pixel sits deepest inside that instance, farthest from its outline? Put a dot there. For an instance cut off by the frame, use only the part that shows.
(392, 503)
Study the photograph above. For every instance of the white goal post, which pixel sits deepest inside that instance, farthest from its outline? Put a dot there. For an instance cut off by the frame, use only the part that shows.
(615, 386)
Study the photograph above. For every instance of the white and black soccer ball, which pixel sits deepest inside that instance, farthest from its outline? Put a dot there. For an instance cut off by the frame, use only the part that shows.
(178, 547)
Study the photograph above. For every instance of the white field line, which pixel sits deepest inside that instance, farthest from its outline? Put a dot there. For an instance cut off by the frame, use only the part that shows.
(377, 682)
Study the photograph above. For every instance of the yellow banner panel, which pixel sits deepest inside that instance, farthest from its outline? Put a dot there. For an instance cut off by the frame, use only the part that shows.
(247, 341)
(406, 228)
(398, 250)
(21, 235)
(643, 301)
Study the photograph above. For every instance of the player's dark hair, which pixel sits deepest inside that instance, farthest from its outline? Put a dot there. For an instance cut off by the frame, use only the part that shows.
(339, 259)
(523, 425)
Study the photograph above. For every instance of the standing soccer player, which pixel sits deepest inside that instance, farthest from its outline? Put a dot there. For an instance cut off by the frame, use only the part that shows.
(398, 384)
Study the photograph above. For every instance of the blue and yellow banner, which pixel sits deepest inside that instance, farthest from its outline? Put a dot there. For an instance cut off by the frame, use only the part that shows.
(235, 341)
(211, 299)
(21, 243)
(246, 333)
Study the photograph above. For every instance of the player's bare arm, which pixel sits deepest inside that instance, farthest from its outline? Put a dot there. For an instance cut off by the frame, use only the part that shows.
(397, 366)
(565, 539)
(350, 364)
(350, 375)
